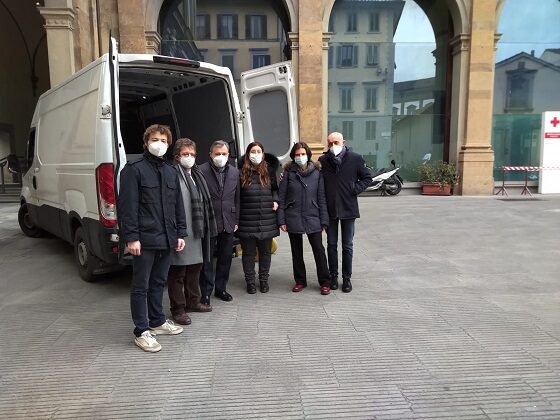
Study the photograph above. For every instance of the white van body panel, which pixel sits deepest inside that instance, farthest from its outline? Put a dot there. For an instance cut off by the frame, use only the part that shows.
(269, 104)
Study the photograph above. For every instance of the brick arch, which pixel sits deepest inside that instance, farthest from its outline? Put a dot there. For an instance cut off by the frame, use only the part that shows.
(457, 9)
(153, 8)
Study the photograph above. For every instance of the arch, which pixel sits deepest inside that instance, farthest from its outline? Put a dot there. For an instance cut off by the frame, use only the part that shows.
(457, 9)
(153, 8)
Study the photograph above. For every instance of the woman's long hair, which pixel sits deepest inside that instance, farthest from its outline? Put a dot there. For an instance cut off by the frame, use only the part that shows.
(248, 167)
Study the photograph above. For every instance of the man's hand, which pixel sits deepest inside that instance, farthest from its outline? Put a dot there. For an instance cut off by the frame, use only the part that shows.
(134, 247)
(235, 228)
(283, 228)
(275, 206)
(180, 245)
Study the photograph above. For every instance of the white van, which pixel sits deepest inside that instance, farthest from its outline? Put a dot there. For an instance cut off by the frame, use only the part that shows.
(85, 129)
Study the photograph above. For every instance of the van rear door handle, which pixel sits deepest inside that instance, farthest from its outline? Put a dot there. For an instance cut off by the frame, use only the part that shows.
(34, 182)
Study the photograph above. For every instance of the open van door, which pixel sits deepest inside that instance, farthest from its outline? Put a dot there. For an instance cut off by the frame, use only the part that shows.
(268, 102)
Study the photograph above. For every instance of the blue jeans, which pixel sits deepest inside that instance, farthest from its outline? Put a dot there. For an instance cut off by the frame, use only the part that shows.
(347, 233)
(149, 275)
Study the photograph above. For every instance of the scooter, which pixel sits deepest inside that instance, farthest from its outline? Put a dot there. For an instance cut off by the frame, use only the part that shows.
(388, 181)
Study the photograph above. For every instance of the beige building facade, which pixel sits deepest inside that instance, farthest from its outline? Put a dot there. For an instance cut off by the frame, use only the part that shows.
(77, 32)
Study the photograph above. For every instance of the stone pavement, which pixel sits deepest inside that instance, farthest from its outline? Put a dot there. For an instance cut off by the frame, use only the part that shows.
(455, 313)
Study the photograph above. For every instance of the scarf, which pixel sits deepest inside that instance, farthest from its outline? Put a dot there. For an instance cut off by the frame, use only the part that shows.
(203, 219)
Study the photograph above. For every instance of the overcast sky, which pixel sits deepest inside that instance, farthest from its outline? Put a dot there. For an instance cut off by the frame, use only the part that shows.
(525, 25)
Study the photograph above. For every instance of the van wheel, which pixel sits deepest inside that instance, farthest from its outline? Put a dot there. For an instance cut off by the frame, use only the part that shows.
(84, 258)
(26, 224)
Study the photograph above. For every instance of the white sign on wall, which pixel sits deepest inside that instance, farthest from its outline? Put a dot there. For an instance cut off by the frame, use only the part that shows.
(549, 179)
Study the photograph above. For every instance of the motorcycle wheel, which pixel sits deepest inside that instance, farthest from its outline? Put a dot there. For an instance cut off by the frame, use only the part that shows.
(394, 188)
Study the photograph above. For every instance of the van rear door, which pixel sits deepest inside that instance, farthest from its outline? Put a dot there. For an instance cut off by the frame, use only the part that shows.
(269, 105)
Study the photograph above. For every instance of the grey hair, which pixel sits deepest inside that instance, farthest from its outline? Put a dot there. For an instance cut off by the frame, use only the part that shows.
(184, 142)
(219, 143)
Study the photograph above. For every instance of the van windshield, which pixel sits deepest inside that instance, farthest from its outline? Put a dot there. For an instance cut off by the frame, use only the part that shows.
(192, 104)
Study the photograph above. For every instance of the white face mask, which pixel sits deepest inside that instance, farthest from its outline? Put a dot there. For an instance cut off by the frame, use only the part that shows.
(187, 161)
(255, 158)
(220, 161)
(157, 148)
(336, 149)
(301, 160)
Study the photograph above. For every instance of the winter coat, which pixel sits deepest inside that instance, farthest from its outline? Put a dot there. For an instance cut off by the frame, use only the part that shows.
(192, 253)
(344, 181)
(225, 201)
(303, 205)
(257, 219)
(150, 207)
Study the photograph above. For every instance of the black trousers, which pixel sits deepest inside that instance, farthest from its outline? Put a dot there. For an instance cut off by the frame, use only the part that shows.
(316, 242)
(149, 275)
(217, 278)
(182, 287)
(249, 246)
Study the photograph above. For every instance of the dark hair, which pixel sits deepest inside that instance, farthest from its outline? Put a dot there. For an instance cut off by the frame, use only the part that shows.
(301, 145)
(247, 168)
(158, 128)
(184, 142)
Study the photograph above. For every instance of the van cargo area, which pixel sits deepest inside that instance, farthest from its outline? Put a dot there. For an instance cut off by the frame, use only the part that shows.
(194, 105)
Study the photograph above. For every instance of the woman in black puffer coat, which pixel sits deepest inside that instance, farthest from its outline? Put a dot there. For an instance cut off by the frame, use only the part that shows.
(257, 215)
(303, 210)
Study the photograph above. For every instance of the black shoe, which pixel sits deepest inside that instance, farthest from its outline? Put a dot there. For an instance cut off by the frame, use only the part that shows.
(264, 286)
(334, 282)
(222, 294)
(205, 300)
(251, 288)
(346, 286)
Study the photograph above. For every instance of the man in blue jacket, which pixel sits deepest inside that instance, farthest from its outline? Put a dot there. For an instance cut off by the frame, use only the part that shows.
(152, 223)
(346, 176)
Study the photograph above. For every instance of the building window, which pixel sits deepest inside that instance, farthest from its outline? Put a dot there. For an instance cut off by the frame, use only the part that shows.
(255, 27)
(347, 56)
(346, 98)
(227, 27)
(259, 60)
(373, 22)
(372, 56)
(331, 23)
(370, 98)
(371, 128)
(228, 60)
(202, 26)
(352, 22)
(348, 130)
(519, 91)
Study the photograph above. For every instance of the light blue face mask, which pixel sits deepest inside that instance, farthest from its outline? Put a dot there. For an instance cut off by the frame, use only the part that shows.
(301, 160)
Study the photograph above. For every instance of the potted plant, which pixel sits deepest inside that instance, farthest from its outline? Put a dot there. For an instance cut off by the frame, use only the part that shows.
(438, 178)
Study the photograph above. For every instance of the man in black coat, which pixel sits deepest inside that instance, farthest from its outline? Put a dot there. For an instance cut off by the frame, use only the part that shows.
(152, 223)
(346, 176)
(223, 183)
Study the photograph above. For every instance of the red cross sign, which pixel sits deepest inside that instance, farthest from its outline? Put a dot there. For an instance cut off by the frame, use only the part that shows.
(555, 121)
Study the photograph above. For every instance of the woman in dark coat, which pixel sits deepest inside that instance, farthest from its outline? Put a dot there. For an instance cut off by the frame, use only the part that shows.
(257, 215)
(303, 210)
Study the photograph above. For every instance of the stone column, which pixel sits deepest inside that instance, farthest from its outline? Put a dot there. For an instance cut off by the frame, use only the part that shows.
(476, 158)
(59, 20)
(310, 73)
(132, 20)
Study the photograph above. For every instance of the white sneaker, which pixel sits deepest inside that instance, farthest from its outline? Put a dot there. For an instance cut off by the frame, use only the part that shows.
(167, 328)
(147, 342)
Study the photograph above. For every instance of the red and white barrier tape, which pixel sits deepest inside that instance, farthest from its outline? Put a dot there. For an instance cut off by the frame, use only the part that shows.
(528, 168)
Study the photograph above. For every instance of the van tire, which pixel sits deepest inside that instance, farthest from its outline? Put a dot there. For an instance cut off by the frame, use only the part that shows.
(26, 224)
(86, 261)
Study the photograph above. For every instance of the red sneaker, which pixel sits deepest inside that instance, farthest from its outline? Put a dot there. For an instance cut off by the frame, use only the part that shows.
(325, 290)
(298, 288)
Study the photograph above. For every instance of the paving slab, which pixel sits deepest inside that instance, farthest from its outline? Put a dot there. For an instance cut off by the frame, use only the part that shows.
(455, 313)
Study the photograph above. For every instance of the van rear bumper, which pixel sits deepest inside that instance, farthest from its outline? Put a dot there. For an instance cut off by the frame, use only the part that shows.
(101, 241)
